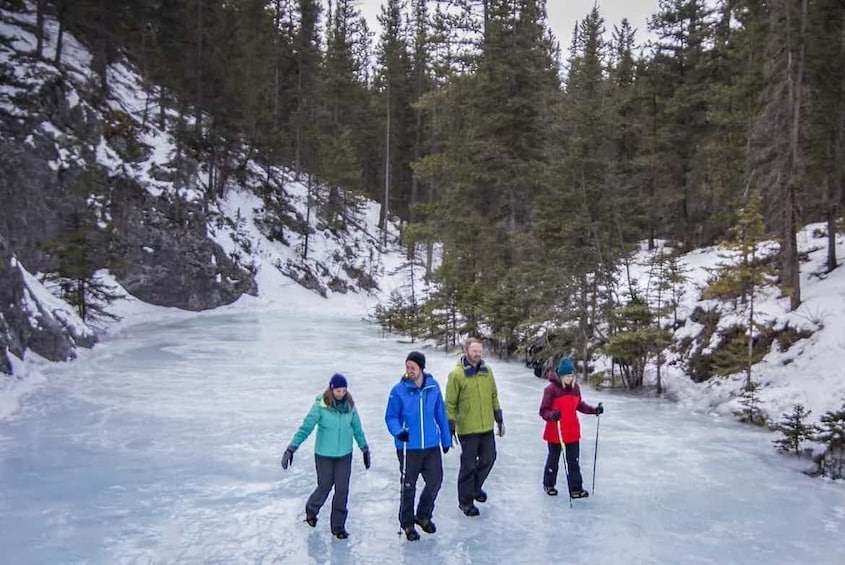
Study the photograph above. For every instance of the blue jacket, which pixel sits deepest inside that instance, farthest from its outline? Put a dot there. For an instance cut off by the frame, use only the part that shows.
(419, 410)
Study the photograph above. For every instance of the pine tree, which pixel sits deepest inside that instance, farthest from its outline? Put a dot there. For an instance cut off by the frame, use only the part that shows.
(795, 430)
(824, 127)
(832, 461)
(393, 106)
(637, 338)
(778, 165)
(84, 244)
(679, 76)
(743, 277)
(735, 66)
(576, 208)
(750, 400)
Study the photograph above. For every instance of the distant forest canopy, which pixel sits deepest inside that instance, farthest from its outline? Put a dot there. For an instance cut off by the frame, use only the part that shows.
(537, 169)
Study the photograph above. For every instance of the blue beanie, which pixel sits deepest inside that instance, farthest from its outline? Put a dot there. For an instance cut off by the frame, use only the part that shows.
(337, 381)
(565, 367)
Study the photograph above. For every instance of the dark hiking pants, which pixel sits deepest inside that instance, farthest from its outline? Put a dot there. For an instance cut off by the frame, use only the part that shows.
(428, 463)
(573, 454)
(478, 453)
(331, 472)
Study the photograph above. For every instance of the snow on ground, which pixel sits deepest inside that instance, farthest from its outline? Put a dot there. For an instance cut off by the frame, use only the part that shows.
(162, 445)
(809, 372)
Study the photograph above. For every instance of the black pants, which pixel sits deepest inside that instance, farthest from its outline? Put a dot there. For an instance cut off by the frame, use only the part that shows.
(429, 464)
(331, 472)
(573, 453)
(478, 453)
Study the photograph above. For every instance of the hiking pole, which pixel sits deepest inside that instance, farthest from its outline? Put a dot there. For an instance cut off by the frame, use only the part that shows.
(402, 482)
(565, 466)
(596, 451)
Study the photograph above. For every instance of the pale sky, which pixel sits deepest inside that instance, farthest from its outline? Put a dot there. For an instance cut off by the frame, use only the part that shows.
(564, 13)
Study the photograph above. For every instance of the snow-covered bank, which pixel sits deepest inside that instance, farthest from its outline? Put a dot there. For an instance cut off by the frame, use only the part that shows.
(162, 444)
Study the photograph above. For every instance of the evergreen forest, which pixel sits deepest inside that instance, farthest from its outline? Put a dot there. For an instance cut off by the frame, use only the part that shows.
(525, 169)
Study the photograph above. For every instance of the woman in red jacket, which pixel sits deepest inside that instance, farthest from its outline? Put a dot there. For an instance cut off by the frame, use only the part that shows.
(561, 399)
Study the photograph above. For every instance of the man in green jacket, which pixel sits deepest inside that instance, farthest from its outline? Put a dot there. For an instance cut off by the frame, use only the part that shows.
(472, 405)
(336, 418)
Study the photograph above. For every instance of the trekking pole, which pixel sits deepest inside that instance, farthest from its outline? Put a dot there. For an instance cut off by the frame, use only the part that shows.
(596, 451)
(565, 466)
(402, 481)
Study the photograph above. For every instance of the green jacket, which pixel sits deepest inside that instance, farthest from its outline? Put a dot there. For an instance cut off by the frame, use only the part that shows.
(472, 401)
(336, 425)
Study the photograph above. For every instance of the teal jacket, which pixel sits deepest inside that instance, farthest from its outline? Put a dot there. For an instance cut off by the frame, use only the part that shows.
(336, 425)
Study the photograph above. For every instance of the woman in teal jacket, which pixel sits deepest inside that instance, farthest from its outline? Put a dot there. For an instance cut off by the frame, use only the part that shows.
(337, 422)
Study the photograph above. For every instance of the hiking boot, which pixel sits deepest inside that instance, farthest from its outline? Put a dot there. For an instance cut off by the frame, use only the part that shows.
(469, 509)
(579, 494)
(311, 520)
(411, 533)
(551, 491)
(426, 525)
(481, 496)
(342, 534)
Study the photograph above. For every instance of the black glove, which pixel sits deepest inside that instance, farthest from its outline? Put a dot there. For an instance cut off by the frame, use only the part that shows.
(445, 450)
(599, 409)
(555, 415)
(402, 436)
(287, 457)
(500, 422)
(452, 429)
(366, 455)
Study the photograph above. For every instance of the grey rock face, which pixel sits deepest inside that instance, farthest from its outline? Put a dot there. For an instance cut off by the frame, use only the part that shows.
(28, 324)
(168, 258)
(158, 247)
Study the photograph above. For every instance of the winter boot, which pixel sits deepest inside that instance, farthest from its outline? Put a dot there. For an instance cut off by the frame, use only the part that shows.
(311, 520)
(551, 491)
(411, 533)
(481, 496)
(341, 534)
(470, 509)
(579, 494)
(426, 525)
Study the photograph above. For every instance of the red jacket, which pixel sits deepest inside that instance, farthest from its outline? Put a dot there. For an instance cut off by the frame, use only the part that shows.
(567, 400)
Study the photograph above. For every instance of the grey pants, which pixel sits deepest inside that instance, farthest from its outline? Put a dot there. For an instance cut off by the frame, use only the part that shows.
(331, 472)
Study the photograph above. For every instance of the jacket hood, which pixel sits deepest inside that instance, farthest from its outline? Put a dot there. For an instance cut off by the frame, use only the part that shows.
(470, 370)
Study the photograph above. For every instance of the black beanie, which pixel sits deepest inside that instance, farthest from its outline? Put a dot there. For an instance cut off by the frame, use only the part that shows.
(417, 358)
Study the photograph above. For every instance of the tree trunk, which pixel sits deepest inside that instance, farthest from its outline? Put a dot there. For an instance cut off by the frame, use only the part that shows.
(61, 11)
(40, 7)
(789, 256)
(834, 188)
(385, 205)
(199, 64)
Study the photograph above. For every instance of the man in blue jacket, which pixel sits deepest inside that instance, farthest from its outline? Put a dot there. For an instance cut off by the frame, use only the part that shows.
(416, 417)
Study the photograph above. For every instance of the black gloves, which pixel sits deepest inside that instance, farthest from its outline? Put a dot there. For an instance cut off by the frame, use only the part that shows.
(500, 423)
(287, 457)
(555, 415)
(445, 450)
(402, 436)
(452, 429)
(599, 409)
(366, 454)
